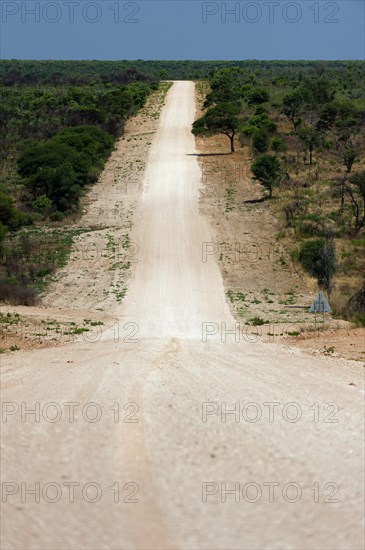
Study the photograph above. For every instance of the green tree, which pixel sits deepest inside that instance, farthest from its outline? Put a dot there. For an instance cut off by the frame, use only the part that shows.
(3, 232)
(225, 87)
(349, 157)
(293, 104)
(260, 141)
(260, 120)
(349, 121)
(327, 117)
(356, 190)
(317, 92)
(258, 127)
(221, 119)
(318, 258)
(10, 217)
(278, 145)
(267, 170)
(257, 96)
(311, 139)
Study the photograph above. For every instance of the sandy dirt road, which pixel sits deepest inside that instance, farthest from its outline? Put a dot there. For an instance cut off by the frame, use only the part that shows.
(150, 442)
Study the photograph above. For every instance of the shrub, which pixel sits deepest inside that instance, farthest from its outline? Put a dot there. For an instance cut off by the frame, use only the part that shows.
(310, 228)
(42, 205)
(278, 145)
(10, 216)
(56, 216)
(359, 320)
(260, 141)
(257, 321)
(16, 294)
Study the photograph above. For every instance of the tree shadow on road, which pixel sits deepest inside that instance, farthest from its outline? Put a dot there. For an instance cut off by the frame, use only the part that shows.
(207, 154)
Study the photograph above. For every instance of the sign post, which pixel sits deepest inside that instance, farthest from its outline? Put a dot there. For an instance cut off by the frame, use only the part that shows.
(320, 305)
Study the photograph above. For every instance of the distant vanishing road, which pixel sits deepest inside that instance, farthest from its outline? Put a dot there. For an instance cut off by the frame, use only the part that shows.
(176, 442)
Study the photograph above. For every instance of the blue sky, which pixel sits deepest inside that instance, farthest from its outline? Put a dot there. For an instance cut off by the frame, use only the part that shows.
(175, 29)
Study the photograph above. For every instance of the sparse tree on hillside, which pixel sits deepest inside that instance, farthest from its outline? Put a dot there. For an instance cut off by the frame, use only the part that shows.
(267, 170)
(292, 107)
(355, 187)
(349, 158)
(311, 139)
(318, 258)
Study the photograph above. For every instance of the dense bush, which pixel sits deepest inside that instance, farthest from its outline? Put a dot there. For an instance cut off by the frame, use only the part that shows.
(58, 168)
(10, 217)
(93, 142)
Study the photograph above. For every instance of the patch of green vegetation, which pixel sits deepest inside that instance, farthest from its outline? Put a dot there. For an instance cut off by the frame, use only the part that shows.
(120, 293)
(266, 293)
(10, 318)
(77, 330)
(257, 321)
(359, 319)
(234, 296)
(93, 323)
(229, 197)
(14, 347)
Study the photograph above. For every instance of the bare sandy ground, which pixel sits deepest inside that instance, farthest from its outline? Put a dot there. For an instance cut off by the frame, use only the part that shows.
(153, 450)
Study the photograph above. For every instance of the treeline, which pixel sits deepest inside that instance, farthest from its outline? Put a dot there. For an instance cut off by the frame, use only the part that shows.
(307, 144)
(54, 140)
(75, 73)
(349, 75)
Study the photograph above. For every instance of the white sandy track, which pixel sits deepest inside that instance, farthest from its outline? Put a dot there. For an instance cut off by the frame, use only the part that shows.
(174, 291)
(169, 372)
